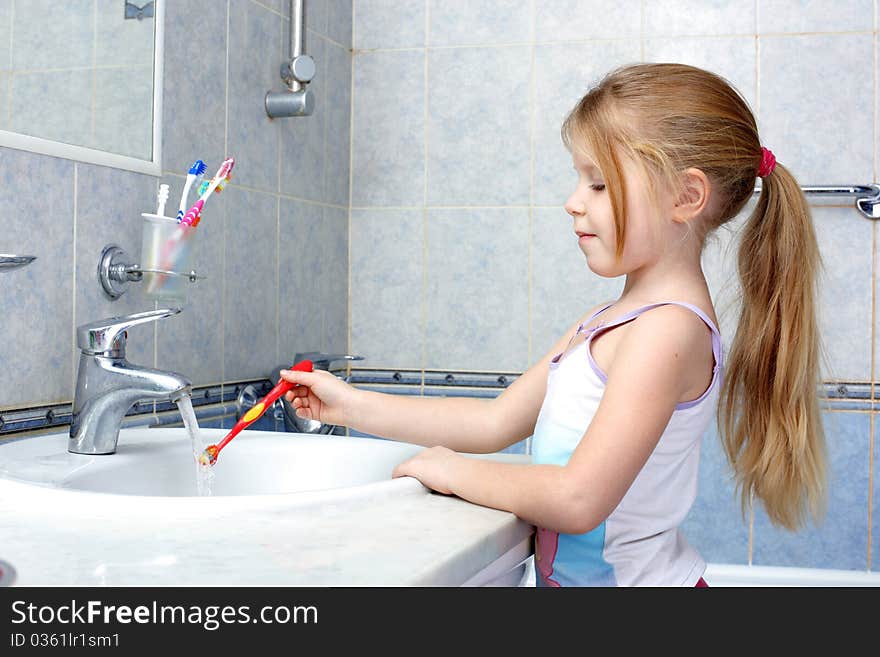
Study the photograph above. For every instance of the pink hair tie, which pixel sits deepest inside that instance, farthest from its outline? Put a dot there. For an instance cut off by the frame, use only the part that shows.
(768, 163)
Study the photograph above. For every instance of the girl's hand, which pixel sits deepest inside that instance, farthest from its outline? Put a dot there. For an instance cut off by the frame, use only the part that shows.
(320, 396)
(431, 466)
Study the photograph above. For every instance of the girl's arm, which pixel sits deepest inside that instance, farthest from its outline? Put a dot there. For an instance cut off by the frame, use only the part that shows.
(645, 382)
(477, 426)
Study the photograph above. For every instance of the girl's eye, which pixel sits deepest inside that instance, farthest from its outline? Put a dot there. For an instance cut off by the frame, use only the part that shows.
(598, 187)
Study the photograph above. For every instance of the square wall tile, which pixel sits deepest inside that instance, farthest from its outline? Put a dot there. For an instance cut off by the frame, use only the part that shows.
(814, 16)
(389, 24)
(313, 280)
(875, 507)
(478, 23)
(335, 279)
(252, 137)
(194, 97)
(339, 21)
(681, 17)
(6, 7)
(388, 144)
(477, 289)
(65, 112)
(387, 294)
(4, 100)
(579, 20)
(841, 539)
(562, 286)
(36, 301)
(478, 126)
(815, 128)
(301, 279)
(250, 342)
(65, 40)
(845, 246)
(337, 125)
(120, 94)
(563, 73)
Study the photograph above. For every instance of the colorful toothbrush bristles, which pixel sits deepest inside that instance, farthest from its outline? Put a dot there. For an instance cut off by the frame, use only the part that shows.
(194, 175)
(209, 456)
(224, 174)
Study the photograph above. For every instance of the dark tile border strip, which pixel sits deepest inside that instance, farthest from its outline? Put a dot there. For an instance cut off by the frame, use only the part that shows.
(837, 396)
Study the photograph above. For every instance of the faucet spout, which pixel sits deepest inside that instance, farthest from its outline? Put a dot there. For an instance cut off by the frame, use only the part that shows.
(107, 384)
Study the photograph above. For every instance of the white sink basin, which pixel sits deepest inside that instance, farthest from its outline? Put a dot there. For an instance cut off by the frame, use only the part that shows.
(160, 462)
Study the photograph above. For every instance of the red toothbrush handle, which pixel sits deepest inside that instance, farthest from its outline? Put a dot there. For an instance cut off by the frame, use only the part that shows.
(260, 407)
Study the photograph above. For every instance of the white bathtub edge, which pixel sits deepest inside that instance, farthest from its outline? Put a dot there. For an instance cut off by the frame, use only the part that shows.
(738, 575)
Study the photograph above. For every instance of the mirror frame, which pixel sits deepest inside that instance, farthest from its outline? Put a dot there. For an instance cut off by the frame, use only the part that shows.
(93, 156)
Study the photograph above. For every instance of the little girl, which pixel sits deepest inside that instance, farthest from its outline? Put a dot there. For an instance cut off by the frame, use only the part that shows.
(665, 154)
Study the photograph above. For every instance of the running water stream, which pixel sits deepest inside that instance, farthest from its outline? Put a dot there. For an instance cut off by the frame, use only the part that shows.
(204, 473)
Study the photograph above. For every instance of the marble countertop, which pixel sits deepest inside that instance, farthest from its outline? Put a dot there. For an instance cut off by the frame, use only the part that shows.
(56, 537)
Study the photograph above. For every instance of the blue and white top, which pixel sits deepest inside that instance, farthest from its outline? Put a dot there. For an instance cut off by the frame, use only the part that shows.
(640, 543)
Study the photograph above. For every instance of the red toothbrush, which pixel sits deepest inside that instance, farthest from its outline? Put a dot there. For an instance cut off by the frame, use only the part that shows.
(209, 456)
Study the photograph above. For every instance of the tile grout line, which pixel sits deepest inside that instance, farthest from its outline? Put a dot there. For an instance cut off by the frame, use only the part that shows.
(225, 216)
(871, 423)
(282, 56)
(349, 313)
(73, 301)
(530, 227)
(530, 231)
(426, 116)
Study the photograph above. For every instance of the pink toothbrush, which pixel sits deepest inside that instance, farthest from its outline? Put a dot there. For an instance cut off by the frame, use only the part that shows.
(224, 173)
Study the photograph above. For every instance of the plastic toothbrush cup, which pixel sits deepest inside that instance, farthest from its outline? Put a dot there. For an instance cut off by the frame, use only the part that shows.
(166, 248)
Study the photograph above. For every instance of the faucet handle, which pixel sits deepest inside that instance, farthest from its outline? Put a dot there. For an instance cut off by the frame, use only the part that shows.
(321, 361)
(107, 336)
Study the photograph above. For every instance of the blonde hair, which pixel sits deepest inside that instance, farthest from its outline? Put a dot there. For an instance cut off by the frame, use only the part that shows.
(667, 118)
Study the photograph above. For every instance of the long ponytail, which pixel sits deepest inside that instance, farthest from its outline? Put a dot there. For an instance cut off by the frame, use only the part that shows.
(769, 415)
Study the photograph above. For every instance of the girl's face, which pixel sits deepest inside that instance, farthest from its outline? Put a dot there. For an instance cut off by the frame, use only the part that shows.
(590, 207)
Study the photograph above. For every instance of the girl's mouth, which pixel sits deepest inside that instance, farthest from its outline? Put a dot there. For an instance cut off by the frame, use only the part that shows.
(583, 237)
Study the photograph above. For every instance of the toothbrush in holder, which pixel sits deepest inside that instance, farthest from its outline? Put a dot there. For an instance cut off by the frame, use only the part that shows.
(196, 171)
(189, 221)
(164, 190)
(224, 173)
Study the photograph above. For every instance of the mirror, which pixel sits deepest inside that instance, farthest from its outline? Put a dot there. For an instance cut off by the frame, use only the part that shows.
(81, 79)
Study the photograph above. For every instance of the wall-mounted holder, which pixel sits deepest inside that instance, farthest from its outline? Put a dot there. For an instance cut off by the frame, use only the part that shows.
(116, 272)
(10, 262)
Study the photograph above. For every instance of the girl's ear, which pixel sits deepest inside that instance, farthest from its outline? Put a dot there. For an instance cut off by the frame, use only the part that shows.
(693, 195)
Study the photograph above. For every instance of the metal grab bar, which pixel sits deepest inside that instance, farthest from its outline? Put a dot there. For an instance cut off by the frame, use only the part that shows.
(867, 201)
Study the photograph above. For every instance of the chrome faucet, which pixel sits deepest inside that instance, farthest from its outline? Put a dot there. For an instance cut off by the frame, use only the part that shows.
(107, 384)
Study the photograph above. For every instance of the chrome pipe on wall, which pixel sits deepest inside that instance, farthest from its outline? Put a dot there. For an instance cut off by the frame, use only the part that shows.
(296, 72)
(867, 196)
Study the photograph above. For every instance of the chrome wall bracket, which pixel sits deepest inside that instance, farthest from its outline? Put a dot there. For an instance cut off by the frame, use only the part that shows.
(296, 72)
(115, 272)
(10, 262)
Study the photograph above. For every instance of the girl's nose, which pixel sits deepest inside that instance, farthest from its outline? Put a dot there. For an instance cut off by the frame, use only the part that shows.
(574, 207)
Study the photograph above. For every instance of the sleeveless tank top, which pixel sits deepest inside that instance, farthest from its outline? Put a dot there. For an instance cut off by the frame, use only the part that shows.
(639, 543)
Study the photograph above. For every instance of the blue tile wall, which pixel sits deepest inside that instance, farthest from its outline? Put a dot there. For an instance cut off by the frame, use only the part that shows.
(841, 539)
(237, 322)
